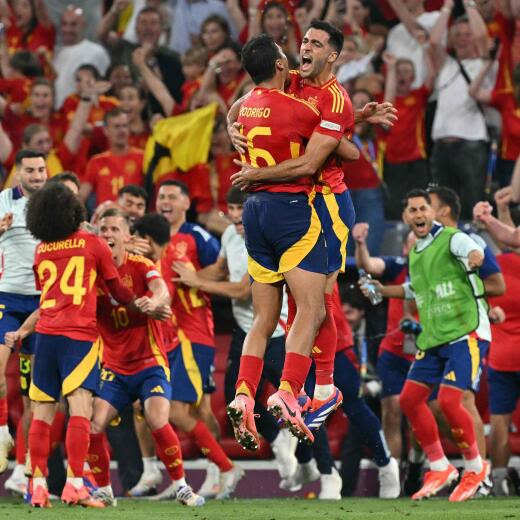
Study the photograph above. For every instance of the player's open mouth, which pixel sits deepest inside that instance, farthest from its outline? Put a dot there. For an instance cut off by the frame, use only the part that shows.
(110, 242)
(165, 211)
(420, 226)
(306, 63)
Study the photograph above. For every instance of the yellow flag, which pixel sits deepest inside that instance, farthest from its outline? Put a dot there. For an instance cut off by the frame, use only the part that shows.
(179, 143)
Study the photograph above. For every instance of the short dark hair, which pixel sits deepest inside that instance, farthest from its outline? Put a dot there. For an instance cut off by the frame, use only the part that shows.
(173, 182)
(26, 154)
(336, 37)
(447, 197)
(259, 57)
(149, 9)
(351, 294)
(31, 130)
(27, 63)
(219, 20)
(416, 192)
(91, 68)
(155, 226)
(66, 176)
(236, 196)
(134, 190)
(54, 213)
(39, 82)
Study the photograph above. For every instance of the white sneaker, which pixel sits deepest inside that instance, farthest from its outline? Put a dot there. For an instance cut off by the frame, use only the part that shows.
(228, 482)
(187, 497)
(283, 450)
(330, 486)
(147, 484)
(6, 444)
(389, 481)
(304, 474)
(17, 483)
(168, 494)
(486, 487)
(211, 485)
(105, 494)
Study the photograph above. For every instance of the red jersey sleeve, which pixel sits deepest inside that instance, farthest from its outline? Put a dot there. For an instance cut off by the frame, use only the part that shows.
(91, 173)
(337, 116)
(146, 268)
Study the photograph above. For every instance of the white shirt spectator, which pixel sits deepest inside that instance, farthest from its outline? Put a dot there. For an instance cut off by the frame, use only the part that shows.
(402, 44)
(68, 58)
(457, 114)
(17, 246)
(233, 249)
(188, 16)
(355, 68)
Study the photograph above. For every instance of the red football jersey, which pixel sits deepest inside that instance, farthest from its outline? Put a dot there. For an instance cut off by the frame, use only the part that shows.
(504, 29)
(337, 115)
(40, 36)
(66, 272)
(191, 307)
(108, 173)
(504, 101)
(504, 353)
(132, 341)
(277, 127)
(404, 142)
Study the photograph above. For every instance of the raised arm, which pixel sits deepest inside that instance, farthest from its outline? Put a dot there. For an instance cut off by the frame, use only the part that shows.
(373, 265)
(405, 16)
(6, 145)
(41, 13)
(74, 133)
(109, 20)
(501, 232)
(478, 27)
(438, 32)
(154, 84)
(236, 14)
(515, 182)
(391, 79)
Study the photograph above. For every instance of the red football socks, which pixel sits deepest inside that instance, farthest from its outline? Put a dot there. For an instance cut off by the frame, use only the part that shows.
(295, 370)
(459, 419)
(209, 446)
(39, 443)
(413, 401)
(324, 350)
(76, 443)
(20, 448)
(99, 458)
(168, 450)
(3, 411)
(249, 375)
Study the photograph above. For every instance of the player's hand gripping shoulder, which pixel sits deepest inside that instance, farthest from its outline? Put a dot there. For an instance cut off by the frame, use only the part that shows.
(496, 315)
(238, 140)
(137, 245)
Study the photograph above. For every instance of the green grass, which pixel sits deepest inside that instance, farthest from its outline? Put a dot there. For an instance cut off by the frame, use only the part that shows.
(435, 509)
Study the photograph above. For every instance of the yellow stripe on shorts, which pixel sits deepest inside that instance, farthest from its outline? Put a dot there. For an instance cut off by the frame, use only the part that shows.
(190, 364)
(76, 378)
(339, 227)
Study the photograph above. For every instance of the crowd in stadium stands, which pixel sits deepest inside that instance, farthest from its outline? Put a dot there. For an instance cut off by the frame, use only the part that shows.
(92, 87)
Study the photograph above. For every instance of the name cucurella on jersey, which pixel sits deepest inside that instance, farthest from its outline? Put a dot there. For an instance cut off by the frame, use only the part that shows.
(60, 245)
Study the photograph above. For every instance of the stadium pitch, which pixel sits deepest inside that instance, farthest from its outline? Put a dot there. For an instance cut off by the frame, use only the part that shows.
(281, 509)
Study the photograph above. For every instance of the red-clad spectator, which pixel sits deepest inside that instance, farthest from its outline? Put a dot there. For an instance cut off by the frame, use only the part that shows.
(504, 368)
(405, 166)
(507, 102)
(133, 103)
(31, 28)
(22, 67)
(362, 176)
(40, 110)
(106, 173)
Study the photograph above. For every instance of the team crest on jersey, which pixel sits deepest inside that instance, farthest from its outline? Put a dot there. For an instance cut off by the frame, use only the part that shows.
(127, 281)
(181, 248)
(104, 171)
(409, 101)
(130, 167)
(313, 100)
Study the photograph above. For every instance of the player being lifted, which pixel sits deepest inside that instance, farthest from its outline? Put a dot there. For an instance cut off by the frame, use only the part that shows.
(135, 365)
(315, 83)
(67, 266)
